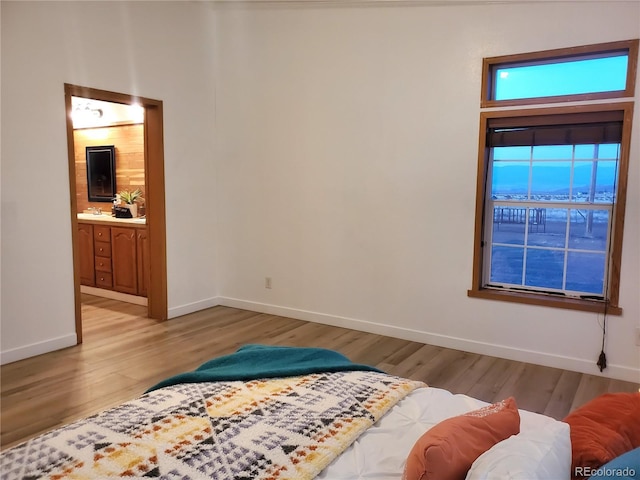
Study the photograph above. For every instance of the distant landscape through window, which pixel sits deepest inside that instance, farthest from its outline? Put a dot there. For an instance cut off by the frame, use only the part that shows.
(551, 216)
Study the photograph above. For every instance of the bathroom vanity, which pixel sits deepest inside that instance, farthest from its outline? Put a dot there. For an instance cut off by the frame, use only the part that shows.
(114, 253)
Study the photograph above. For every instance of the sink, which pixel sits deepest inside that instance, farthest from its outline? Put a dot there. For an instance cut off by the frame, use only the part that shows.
(93, 216)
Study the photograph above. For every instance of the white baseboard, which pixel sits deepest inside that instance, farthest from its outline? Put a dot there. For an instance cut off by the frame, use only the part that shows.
(193, 307)
(113, 295)
(39, 348)
(529, 356)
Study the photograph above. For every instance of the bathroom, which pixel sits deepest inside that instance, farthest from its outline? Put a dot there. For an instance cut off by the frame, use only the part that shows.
(109, 156)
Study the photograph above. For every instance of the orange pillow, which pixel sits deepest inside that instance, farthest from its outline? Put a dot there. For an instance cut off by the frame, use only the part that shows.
(447, 450)
(603, 429)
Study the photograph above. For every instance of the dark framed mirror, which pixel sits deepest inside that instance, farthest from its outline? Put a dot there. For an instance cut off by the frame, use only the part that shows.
(101, 173)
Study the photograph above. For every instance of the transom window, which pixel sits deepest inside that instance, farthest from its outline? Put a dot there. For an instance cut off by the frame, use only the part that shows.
(583, 73)
(563, 78)
(551, 198)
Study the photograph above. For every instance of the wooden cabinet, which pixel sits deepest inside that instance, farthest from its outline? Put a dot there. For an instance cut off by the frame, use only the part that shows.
(85, 247)
(142, 245)
(114, 258)
(102, 259)
(125, 261)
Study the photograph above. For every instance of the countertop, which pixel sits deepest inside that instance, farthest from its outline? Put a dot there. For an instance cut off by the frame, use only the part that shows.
(103, 218)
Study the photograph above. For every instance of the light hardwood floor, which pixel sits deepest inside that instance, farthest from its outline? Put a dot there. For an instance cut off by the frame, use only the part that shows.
(124, 353)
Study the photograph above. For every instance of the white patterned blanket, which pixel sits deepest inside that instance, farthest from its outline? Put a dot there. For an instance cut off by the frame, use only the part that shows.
(283, 428)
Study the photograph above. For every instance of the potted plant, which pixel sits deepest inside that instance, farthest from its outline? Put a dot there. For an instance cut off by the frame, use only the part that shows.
(129, 198)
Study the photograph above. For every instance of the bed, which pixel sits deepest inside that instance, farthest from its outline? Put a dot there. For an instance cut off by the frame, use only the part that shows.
(272, 413)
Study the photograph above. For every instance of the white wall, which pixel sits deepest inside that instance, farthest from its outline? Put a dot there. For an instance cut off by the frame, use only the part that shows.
(343, 167)
(160, 50)
(348, 147)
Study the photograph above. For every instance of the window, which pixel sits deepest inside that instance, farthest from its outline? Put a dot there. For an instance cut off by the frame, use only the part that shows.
(583, 73)
(551, 194)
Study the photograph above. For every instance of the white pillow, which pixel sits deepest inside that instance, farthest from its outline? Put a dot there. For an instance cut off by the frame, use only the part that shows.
(543, 453)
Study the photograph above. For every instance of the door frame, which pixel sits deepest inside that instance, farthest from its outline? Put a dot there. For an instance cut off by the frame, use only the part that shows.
(154, 196)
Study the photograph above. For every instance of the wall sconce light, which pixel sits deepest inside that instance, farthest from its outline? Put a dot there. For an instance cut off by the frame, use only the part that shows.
(137, 113)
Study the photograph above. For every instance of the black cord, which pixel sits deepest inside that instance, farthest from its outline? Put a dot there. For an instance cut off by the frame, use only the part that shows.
(602, 358)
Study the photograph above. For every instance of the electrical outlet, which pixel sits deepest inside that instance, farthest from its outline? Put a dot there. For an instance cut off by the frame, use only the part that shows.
(638, 336)
(267, 282)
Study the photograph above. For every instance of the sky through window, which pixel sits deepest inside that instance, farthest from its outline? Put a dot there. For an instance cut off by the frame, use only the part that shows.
(564, 78)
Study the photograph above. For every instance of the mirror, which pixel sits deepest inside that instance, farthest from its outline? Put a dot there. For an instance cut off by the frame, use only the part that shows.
(101, 173)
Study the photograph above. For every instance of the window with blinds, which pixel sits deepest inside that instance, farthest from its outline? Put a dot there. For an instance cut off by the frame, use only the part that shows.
(549, 208)
(552, 183)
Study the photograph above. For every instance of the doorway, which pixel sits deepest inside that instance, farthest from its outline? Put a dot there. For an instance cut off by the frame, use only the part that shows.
(154, 196)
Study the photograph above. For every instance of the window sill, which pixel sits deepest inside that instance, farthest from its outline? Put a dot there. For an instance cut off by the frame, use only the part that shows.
(595, 306)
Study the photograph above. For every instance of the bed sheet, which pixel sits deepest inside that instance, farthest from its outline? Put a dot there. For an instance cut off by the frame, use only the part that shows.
(380, 452)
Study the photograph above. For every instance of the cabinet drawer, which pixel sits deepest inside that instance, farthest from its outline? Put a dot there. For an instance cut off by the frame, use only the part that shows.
(103, 280)
(103, 249)
(103, 264)
(101, 234)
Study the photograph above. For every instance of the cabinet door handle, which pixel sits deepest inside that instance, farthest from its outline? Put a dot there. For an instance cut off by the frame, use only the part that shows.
(99, 234)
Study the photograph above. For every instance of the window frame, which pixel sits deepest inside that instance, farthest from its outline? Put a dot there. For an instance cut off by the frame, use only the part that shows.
(491, 64)
(611, 304)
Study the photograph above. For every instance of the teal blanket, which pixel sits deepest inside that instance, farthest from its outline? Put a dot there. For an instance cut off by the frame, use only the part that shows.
(251, 362)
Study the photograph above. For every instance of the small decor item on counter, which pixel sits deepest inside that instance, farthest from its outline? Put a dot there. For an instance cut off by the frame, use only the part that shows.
(116, 202)
(129, 198)
(122, 212)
